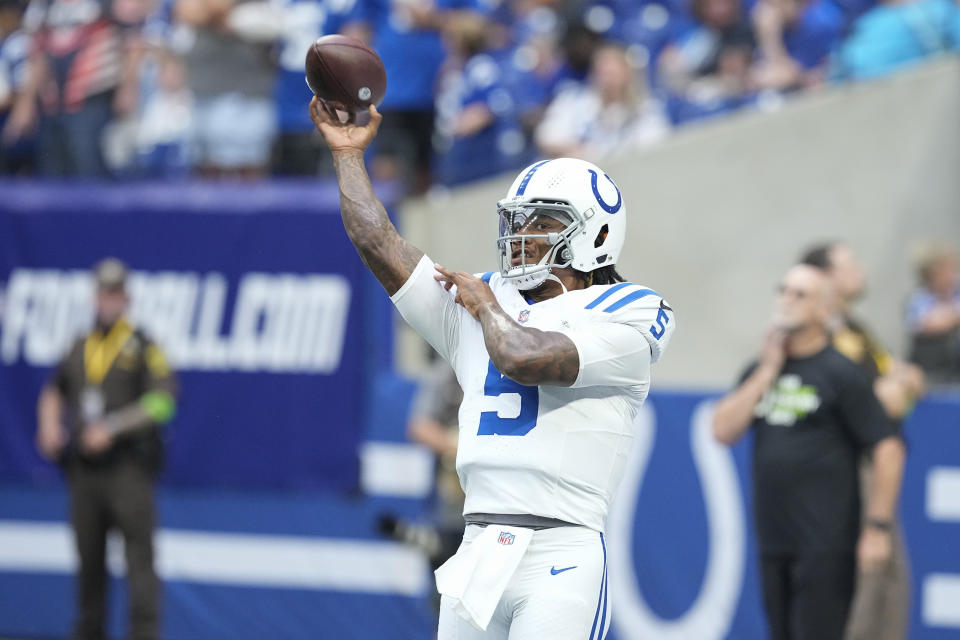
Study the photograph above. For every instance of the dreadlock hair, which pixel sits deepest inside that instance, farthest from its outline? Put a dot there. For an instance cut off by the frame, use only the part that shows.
(603, 275)
(818, 256)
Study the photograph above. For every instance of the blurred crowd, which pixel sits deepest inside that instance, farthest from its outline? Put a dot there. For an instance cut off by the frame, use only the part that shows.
(173, 88)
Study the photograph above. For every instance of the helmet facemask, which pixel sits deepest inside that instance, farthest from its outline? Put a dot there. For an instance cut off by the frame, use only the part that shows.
(518, 228)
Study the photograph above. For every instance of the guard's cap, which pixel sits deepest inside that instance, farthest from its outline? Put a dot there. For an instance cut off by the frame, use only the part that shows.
(111, 274)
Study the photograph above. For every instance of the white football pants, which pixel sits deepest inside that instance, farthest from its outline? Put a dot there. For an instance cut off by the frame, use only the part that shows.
(558, 592)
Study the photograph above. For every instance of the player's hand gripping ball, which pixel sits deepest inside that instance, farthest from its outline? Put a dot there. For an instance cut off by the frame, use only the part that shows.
(345, 73)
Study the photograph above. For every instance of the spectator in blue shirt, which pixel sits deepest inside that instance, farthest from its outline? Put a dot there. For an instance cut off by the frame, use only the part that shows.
(478, 133)
(895, 35)
(705, 66)
(161, 137)
(15, 157)
(406, 35)
(645, 24)
(298, 150)
(795, 38)
(165, 122)
(933, 317)
(578, 44)
(853, 9)
(955, 29)
(534, 72)
(534, 67)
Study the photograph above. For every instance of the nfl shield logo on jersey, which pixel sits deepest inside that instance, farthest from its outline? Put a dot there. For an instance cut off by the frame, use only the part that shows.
(506, 538)
(524, 316)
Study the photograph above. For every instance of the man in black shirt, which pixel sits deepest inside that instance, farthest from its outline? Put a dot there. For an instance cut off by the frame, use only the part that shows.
(813, 413)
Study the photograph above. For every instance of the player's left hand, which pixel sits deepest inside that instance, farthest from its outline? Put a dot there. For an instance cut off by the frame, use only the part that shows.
(472, 292)
(96, 438)
(874, 549)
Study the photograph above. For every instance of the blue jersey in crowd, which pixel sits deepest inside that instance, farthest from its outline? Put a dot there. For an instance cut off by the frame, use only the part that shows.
(306, 20)
(14, 50)
(817, 31)
(499, 146)
(412, 56)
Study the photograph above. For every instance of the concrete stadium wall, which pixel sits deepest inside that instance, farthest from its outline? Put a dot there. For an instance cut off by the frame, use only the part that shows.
(721, 209)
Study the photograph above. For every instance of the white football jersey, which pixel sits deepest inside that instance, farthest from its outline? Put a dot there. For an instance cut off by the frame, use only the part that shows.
(548, 450)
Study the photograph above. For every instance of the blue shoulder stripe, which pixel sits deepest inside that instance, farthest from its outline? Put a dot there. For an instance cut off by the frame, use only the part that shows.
(609, 292)
(636, 295)
(486, 277)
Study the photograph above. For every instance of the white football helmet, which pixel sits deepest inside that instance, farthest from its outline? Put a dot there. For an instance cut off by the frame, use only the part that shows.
(578, 194)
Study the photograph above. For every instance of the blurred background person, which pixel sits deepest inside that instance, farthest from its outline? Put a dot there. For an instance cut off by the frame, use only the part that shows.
(613, 112)
(226, 46)
(897, 34)
(434, 423)
(898, 384)
(406, 34)
(166, 120)
(933, 317)
(534, 72)
(100, 416)
(794, 38)
(82, 74)
(813, 414)
(578, 44)
(16, 157)
(298, 150)
(705, 66)
(478, 132)
(881, 605)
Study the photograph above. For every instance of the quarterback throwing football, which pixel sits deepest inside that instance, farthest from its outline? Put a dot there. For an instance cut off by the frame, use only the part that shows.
(553, 352)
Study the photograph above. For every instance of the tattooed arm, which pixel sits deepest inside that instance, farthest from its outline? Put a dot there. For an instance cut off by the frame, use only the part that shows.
(391, 258)
(523, 354)
(527, 355)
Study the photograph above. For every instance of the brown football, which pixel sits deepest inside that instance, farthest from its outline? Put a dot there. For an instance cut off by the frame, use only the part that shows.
(346, 73)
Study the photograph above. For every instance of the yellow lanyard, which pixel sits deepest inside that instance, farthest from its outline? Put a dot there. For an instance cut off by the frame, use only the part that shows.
(99, 352)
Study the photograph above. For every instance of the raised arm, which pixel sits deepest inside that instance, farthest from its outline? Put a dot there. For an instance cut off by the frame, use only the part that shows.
(734, 412)
(391, 258)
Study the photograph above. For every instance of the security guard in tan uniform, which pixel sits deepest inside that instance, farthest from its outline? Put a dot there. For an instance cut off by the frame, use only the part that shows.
(100, 416)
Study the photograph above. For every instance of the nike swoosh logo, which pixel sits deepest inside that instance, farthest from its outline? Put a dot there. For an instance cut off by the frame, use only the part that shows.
(664, 305)
(554, 571)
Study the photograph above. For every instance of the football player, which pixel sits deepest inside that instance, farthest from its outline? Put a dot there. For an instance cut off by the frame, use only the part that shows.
(553, 352)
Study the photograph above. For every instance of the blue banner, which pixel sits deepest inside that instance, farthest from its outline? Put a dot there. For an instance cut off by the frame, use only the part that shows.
(254, 293)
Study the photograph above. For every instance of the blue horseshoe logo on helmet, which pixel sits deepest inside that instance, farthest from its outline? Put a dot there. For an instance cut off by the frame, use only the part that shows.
(596, 192)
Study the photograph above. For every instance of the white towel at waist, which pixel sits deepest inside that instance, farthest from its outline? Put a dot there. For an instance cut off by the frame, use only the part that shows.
(477, 575)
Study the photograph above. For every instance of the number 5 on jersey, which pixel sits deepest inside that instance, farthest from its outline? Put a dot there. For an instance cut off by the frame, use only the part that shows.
(499, 386)
(662, 320)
